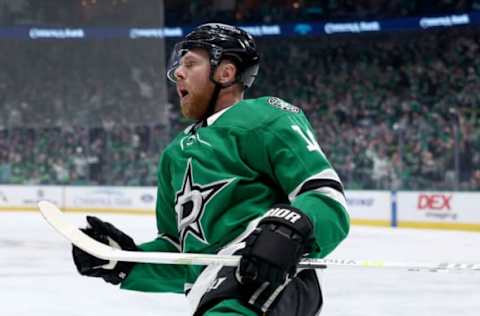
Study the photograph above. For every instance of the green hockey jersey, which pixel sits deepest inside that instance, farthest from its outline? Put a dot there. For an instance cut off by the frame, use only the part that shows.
(218, 176)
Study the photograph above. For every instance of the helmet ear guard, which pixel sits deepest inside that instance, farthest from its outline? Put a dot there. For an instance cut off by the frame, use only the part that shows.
(249, 75)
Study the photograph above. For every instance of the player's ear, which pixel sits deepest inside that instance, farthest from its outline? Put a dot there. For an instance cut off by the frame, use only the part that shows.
(227, 72)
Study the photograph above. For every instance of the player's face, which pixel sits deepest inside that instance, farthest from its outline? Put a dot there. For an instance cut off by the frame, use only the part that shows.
(193, 85)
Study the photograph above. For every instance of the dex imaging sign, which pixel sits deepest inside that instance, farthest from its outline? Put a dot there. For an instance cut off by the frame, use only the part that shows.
(439, 207)
(434, 202)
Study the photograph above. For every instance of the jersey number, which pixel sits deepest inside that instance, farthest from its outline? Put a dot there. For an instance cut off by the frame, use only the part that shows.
(312, 144)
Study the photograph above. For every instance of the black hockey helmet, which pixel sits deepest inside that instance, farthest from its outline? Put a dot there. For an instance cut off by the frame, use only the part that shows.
(220, 41)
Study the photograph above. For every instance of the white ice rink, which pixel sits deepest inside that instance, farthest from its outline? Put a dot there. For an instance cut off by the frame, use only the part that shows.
(37, 276)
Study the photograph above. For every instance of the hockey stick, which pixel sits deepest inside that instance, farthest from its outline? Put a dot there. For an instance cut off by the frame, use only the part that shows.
(57, 220)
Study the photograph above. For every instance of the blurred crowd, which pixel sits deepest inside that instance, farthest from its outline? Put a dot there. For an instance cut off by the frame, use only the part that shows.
(391, 111)
(123, 155)
(53, 82)
(395, 111)
(82, 112)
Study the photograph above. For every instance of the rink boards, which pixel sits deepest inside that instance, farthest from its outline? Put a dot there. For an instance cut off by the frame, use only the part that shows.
(417, 209)
(134, 200)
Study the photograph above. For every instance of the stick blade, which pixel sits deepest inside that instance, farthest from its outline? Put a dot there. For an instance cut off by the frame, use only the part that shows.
(56, 218)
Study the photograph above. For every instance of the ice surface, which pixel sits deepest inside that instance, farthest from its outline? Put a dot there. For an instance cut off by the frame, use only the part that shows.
(38, 278)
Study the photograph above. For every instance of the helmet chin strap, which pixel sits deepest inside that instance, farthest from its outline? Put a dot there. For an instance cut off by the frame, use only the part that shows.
(214, 97)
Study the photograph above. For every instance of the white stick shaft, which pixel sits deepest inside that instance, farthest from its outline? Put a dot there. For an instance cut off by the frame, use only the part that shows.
(57, 220)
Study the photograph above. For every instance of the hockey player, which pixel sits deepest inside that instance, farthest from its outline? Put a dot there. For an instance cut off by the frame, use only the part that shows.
(247, 178)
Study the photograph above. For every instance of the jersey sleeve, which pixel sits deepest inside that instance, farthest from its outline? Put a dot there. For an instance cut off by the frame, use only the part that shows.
(148, 277)
(289, 153)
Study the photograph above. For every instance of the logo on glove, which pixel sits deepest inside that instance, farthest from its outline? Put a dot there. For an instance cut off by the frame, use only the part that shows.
(286, 214)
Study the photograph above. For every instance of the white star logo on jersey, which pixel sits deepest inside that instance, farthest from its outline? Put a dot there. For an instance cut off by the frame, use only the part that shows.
(190, 203)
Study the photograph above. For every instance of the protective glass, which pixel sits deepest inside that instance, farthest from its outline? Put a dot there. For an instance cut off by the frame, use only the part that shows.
(181, 48)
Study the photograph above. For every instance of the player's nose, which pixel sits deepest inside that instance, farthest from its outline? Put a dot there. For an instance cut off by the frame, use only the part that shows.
(179, 73)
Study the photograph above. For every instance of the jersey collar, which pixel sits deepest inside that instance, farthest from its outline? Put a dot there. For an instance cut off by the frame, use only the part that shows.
(215, 116)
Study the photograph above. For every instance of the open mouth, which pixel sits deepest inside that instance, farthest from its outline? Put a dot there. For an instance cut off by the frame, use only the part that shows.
(183, 92)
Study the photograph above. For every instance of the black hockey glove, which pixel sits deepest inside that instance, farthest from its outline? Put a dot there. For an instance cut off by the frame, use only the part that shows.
(275, 247)
(111, 271)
